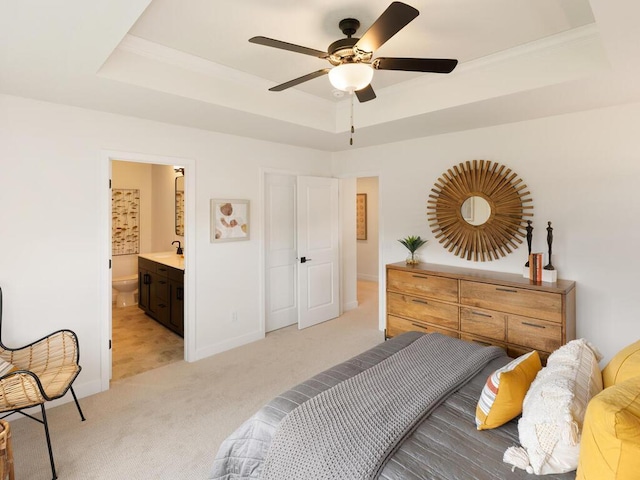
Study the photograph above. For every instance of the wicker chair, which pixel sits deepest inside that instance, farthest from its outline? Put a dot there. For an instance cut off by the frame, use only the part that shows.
(6, 452)
(43, 370)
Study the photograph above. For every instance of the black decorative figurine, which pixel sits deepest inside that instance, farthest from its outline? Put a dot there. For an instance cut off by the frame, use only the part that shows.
(529, 238)
(549, 242)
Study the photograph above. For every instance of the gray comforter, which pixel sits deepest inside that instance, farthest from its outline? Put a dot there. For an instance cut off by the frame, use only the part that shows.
(445, 445)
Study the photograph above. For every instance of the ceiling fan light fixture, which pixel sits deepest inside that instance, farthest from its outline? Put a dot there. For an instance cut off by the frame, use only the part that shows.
(350, 77)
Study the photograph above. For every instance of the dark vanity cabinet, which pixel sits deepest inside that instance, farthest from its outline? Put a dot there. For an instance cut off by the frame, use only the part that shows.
(161, 293)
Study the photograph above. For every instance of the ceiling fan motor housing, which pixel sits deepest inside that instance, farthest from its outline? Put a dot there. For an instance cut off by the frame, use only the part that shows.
(349, 26)
(342, 51)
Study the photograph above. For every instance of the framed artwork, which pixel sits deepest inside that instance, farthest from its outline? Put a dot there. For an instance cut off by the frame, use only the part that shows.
(229, 220)
(125, 225)
(361, 216)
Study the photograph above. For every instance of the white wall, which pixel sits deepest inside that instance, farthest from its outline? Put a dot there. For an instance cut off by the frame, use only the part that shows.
(582, 170)
(51, 247)
(164, 209)
(348, 260)
(368, 249)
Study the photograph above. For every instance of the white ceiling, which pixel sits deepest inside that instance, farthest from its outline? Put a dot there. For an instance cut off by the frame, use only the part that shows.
(189, 62)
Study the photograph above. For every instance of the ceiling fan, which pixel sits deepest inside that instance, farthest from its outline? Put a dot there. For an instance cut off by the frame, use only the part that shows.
(352, 58)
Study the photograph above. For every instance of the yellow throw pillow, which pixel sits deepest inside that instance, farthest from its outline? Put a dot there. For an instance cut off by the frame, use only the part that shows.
(610, 447)
(623, 366)
(502, 396)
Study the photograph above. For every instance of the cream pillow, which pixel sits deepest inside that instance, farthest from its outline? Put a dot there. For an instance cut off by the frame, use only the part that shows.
(610, 447)
(503, 393)
(554, 408)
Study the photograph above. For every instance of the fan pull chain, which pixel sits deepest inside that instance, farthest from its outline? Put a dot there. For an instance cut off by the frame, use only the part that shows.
(352, 129)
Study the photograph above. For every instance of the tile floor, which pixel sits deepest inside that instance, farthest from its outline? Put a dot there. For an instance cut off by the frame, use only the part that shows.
(139, 343)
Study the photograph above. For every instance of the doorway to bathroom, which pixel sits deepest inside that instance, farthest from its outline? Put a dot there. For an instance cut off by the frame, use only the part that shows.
(147, 219)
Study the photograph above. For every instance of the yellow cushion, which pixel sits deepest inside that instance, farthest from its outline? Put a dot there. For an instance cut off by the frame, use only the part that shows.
(502, 396)
(623, 366)
(610, 446)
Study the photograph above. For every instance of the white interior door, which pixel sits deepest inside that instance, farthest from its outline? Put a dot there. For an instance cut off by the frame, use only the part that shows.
(318, 250)
(280, 251)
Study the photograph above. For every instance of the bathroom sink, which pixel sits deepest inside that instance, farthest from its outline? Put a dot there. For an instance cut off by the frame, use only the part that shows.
(171, 259)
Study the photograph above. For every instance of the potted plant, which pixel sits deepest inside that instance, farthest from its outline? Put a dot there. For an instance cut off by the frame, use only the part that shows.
(412, 243)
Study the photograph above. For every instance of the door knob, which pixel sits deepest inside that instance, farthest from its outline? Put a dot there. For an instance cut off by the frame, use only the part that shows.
(304, 259)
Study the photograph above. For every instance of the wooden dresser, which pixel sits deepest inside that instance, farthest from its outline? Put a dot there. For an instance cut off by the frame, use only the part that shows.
(491, 308)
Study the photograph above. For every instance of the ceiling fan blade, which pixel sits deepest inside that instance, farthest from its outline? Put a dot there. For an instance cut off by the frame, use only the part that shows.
(392, 20)
(299, 80)
(270, 42)
(365, 94)
(433, 65)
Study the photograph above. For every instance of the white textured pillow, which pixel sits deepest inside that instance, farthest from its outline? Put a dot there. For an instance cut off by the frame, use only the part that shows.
(554, 408)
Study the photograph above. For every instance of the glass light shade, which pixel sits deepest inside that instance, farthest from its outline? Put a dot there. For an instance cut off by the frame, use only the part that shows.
(350, 77)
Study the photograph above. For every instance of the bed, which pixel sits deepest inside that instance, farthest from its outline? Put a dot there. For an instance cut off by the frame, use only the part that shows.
(439, 441)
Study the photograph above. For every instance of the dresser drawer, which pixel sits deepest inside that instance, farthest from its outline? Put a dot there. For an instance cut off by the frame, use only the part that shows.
(421, 284)
(482, 341)
(533, 333)
(484, 323)
(424, 310)
(398, 326)
(544, 305)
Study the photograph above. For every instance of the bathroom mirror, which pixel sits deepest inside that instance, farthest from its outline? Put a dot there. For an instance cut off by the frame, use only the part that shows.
(180, 205)
(477, 210)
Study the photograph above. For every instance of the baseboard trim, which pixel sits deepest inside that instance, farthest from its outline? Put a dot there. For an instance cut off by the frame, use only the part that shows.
(228, 345)
(367, 278)
(350, 306)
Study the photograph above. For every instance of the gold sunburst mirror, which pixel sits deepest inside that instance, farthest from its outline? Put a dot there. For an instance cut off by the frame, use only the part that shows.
(477, 210)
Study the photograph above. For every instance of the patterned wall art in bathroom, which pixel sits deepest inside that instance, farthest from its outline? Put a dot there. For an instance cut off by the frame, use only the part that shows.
(125, 222)
(180, 212)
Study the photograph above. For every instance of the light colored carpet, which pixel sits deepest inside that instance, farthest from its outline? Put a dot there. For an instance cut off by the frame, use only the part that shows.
(167, 423)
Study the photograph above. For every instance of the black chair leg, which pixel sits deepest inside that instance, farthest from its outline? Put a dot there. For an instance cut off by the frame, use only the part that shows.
(46, 431)
(75, 399)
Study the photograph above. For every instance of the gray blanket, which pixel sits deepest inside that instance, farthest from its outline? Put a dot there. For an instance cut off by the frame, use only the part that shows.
(350, 430)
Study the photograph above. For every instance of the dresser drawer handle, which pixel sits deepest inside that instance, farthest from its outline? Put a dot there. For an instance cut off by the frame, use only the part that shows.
(509, 290)
(534, 325)
(480, 314)
(424, 302)
(419, 326)
(486, 344)
(420, 276)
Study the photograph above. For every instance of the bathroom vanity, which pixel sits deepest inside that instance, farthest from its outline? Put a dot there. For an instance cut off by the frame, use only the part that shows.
(161, 288)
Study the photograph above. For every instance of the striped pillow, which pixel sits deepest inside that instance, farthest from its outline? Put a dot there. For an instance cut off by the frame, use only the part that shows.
(502, 396)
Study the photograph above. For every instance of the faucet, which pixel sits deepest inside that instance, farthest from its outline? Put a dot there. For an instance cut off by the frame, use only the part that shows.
(179, 252)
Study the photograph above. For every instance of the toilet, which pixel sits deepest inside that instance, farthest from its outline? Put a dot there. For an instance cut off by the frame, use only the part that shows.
(126, 288)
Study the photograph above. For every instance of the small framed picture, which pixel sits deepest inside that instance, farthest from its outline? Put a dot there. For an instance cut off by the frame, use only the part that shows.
(229, 220)
(361, 216)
